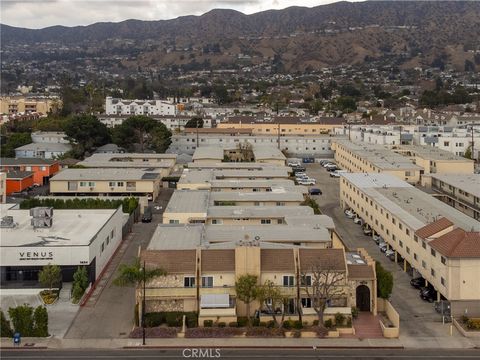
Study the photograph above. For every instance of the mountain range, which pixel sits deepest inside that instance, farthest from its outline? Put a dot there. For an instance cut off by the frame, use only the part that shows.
(412, 32)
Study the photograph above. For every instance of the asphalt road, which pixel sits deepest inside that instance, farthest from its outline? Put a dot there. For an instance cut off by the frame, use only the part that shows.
(188, 353)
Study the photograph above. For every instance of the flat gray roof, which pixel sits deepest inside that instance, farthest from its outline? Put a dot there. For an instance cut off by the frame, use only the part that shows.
(208, 152)
(236, 165)
(45, 147)
(129, 160)
(267, 153)
(188, 201)
(433, 153)
(380, 156)
(70, 228)
(233, 183)
(267, 172)
(176, 237)
(310, 220)
(256, 196)
(411, 205)
(258, 211)
(105, 175)
(469, 183)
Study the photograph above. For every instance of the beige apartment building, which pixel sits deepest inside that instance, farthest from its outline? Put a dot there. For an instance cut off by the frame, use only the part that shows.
(434, 160)
(162, 163)
(104, 182)
(460, 191)
(436, 241)
(284, 125)
(357, 157)
(202, 274)
(3, 187)
(20, 104)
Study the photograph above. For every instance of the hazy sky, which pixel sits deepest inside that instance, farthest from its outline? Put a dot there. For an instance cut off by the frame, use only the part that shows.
(42, 13)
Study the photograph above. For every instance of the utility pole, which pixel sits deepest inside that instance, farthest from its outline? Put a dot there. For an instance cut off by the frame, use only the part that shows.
(473, 145)
(196, 123)
(278, 135)
(143, 303)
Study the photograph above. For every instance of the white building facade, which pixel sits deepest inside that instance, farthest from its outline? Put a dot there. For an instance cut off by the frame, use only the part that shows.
(115, 106)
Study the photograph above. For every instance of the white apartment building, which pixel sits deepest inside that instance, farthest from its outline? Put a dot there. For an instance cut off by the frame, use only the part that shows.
(172, 122)
(114, 106)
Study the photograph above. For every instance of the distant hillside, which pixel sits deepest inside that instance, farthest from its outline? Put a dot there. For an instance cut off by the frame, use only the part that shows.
(418, 32)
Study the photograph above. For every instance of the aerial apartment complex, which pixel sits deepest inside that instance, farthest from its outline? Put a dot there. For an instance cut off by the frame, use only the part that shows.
(438, 242)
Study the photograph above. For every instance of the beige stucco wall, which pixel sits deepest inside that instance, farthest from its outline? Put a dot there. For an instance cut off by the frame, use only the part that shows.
(285, 129)
(141, 186)
(183, 218)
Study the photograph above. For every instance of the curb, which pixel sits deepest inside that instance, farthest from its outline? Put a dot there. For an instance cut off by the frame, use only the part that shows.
(263, 347)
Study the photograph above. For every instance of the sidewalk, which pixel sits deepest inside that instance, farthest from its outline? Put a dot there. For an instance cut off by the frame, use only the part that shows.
(423, 342)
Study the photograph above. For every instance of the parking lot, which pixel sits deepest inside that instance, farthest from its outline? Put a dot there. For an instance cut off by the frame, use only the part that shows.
(418, 317)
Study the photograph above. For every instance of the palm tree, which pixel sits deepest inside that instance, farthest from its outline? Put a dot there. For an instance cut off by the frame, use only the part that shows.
(135, 274)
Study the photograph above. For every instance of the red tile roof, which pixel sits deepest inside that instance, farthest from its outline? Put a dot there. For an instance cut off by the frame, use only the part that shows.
(458, 243)
(218, 260)
(277, 260)
(433, 228)
(360, 272)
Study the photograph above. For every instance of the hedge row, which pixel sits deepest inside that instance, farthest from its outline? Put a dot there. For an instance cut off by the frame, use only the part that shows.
(128, 204)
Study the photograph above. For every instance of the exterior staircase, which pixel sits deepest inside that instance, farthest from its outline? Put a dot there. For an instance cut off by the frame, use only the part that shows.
(367, 326)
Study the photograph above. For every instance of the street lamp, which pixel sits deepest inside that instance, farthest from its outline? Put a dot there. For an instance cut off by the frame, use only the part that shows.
(143, 305)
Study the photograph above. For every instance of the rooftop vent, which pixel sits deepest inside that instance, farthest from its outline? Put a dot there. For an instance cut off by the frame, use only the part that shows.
(7, 222)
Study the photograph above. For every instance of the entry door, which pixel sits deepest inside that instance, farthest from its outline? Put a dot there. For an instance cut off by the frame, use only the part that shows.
(363, 298)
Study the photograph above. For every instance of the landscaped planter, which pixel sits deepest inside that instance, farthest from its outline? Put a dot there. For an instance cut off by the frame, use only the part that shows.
(346, 330)
(333, 334)
(47, 299)
(309, 334)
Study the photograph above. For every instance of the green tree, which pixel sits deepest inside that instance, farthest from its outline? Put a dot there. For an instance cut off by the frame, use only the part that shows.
(271, 292)
(80, 283)
(468, 153)
(86, 133)
(247, 290)
(50, 276)
(132, 274)
(195, 122)
(346, 104)
(22, 319)
(143, 131)
(40, 319)
(384, 281)
(13, 141)
(5, 328)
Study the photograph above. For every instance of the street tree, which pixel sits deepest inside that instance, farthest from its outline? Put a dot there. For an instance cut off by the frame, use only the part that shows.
(327, 283)
(86, 132)
(270, 297)
(50, 276)
(246, 289)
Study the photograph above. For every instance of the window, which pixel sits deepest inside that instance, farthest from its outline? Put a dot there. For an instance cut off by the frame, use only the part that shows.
(400, 243)
(107, 240)
(120, 183)
(306, 302)
(442, 280)
(432, 272)
(400, 226)
(288, 280)
(83, 183)
(408, 250)
(306, 280)
(256, 203)
(207, 281)
(280, 203)
(189, 281)
(424, 245)
(102, 248)
(415, 237)
(443, 260)
(415, 256)
(266, 221)
(424, 264)
(433, 252)
(111, 184)
(217, 221)
(407, 232)
(91, 183)
(172, 221)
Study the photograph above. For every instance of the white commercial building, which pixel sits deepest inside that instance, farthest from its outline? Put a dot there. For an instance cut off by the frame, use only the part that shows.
(114, 106)
(73, 238)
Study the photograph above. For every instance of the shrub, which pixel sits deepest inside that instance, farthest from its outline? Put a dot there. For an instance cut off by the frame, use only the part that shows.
(349, 321)
(287, 324)
(262, 324)
(297, 324)
(256, 322)
(305, 323)
(155, 319)
(80, 283)
(384, 281)
(207, 323)
(315, 322)
(339, 319)
(271, 324)
(212, 332)
(40, 318)
(329, 323)
(242, 321)
(48, 296)
(297, 334)
(135, 315)
(473, 324)
(464, 319)
(5, 328)
(264, 332)
(221, 324)
(22, 319)
(154, 332)
(174, 319)
(233, 324)
(354, 312)
(191, 319)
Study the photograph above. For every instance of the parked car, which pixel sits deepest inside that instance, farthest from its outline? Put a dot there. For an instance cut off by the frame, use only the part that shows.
(357, 220)
(147, 215)
(428, 294)
(377, 238)
(350, 213)
(293, 164)
(150, 197)
(307, 181)
(367, 231)
(418, 282)
(308, 160)
(330, 166)
(315, 191)
(332, 169)
(442, 307)
(390, 252)
(392, 256)
(300, 174)
(383, 247)
(298, 169)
